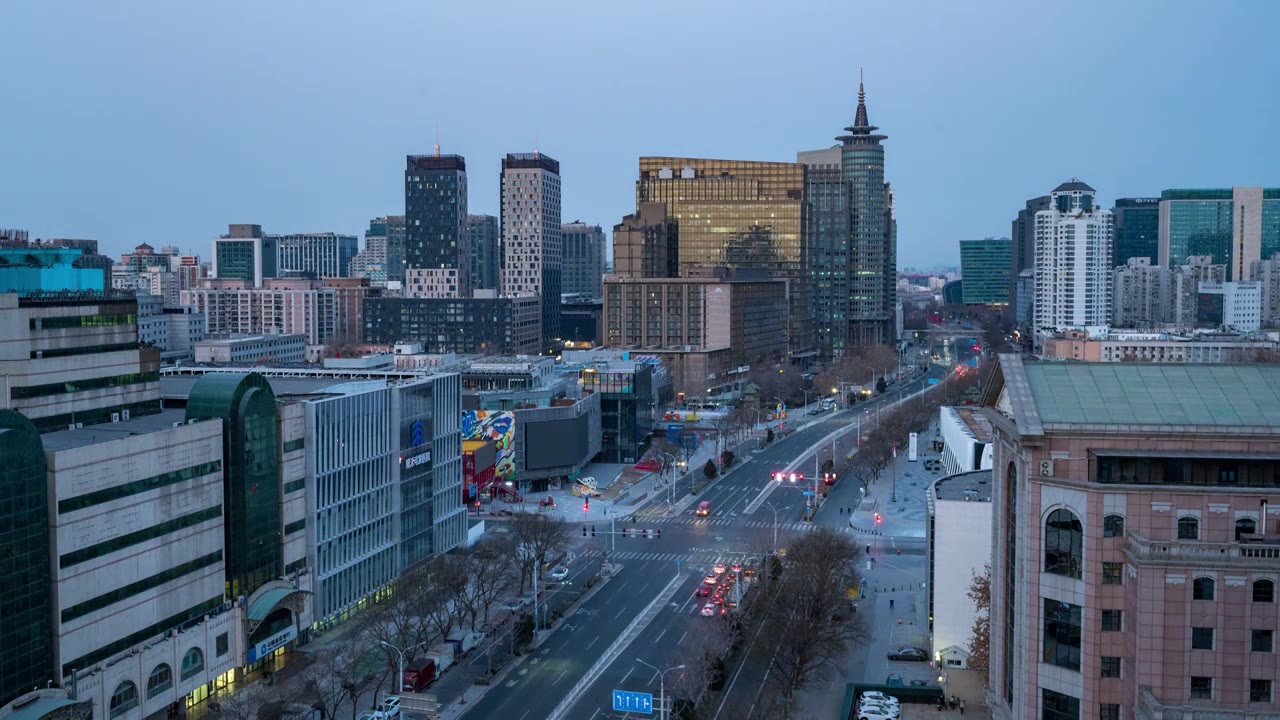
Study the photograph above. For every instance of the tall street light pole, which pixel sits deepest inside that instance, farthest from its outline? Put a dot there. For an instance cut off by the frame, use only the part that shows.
(775, 525)
(663, 713)
(400, 661)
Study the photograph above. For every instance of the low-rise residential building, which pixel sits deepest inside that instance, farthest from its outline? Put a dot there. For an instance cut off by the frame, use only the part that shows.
(327, 312)
(957, 549)
(252, 349)
(1134, 540)
(1159, 347)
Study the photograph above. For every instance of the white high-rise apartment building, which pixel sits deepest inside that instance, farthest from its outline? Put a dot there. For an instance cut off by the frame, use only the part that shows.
(1073, 261)
(532, 247)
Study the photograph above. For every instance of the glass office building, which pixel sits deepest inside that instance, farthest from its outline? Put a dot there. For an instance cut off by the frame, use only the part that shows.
(984, 266)
(26, 633)
(435, 207)
(1137, 229)
(1235, 226)
(251, 473)
(740, 213)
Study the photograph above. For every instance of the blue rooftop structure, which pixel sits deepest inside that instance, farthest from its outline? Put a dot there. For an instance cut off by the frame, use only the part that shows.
(27, 270)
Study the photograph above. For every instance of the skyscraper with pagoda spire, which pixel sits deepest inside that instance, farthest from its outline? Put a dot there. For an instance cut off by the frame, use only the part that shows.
(854, 240)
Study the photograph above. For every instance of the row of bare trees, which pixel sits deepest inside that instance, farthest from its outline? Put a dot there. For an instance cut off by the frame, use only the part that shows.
(457, 590)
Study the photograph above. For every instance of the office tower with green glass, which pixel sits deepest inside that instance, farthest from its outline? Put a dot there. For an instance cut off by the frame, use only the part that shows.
(984, 266)
(1137, 229)
(244, 254)
(1235, 227)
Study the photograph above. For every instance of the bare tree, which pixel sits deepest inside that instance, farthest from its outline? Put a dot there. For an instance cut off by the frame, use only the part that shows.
(979, 591)
(245, 703)
(331, 681)
(538, 538)
(491, 567)
(439, 588)
(812, 628)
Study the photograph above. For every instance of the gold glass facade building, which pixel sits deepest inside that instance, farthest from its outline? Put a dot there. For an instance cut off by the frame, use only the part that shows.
(740, 213)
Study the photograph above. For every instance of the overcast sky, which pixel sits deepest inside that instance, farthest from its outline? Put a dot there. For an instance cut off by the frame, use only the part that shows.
(165, 121)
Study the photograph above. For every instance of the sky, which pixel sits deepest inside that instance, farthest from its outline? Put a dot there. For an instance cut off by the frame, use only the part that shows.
(162, 122)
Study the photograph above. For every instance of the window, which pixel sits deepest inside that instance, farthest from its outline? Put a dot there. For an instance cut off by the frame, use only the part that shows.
(192, 663)
(1201, 688)
(1062, 634)
(1108, 711)
(222, 645)
(1201, 638)
(1245, 526)
(1110, 667)
(1264, 591)
(1056, 706)
(1260, 691)
(1202, 588)
(1063, 544)
(1262, 641)
(1188, 528)
(1112, 573)
(124, 699)
(1112, 620)
(161, 679)
(1112, 526)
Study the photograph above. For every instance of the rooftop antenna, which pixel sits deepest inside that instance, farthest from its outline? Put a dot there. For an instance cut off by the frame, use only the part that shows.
(537, 153)
(437, 139)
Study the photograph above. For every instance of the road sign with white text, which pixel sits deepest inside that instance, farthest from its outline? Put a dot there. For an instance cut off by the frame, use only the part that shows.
(627, 701)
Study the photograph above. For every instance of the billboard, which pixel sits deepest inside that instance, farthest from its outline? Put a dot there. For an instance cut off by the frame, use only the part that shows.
(556, 443)
(498, 426)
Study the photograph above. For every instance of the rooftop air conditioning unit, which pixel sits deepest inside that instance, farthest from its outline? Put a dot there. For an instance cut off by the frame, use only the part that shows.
(1046, 468)
(79, 425)
(115, 417)
(124, 415)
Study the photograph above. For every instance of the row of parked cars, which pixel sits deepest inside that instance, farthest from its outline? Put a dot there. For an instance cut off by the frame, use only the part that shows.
(875, 705)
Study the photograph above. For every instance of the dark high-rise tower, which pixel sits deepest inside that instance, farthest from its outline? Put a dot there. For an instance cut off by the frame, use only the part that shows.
(854, 256)
(1137, 223)
(437, 263)
(1022, 249)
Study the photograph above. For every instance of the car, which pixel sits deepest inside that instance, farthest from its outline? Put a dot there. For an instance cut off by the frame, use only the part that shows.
(711, 579)
(708, 610)
(895, 680)
(559, 574)
(909, 654)
(886, 709)
(736, 567)
(391, 706)
(879, 697)
(719, 568)
(704, 591)
(517, 604)
(876, 714)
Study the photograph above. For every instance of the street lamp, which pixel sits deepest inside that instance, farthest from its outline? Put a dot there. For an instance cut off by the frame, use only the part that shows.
(662, 687)
(775, 525)
(400, 663)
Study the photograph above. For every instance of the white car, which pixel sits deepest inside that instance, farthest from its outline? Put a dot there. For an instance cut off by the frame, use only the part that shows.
(390, 706)
(879, 707)
(875, 696)
(709, 610)
(559, 574)
(877, 712)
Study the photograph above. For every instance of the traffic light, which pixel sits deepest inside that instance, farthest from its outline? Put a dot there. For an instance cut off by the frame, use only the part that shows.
(593, 531)
(657, 533)
(878, 518)
(584, 531)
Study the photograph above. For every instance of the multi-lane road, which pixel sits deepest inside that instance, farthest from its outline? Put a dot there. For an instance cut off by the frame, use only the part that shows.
(688, 547)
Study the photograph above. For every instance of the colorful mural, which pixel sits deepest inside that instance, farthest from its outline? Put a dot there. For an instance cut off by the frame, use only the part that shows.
(494, 425)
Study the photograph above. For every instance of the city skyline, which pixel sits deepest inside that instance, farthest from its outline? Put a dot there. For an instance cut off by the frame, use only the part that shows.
(947, 117)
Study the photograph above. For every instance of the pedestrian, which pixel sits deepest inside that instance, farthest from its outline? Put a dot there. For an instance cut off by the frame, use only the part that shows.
(890, 603)
(962, 707)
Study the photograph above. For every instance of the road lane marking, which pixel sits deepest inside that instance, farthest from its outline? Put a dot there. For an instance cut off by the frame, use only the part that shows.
(682, 637)
(624, 677)
(664, 632)
(553, 682)
(593, 642)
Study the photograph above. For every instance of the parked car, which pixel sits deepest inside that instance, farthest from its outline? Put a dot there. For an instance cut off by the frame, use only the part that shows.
(560, 573)
(391, 706)
(894, 680)
(884, 709)
(909, 654)
(877, 696)
(876, 714)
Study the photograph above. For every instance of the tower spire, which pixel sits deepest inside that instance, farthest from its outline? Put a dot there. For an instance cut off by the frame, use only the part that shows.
(860, 119)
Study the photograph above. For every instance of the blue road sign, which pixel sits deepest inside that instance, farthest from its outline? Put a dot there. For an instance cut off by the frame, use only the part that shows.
(627, 701)
(806, 493)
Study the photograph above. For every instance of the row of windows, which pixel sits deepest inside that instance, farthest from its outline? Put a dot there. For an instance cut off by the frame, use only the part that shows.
(78, 321)
(1202, 689)
(71, 386)
(79, 502)
(82, 350)
(94, 416)
(294, 486)
(76, 557)
(295, 526)
(293, 445)
(174, 621)
(155, 581)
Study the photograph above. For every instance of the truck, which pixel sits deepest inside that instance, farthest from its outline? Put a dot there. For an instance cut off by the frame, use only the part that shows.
(443, 655)
(463, 641)
(418, 674)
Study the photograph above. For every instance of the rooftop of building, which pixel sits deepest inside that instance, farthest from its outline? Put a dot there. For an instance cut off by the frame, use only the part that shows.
(973, 486)
(244, 339)
(1137, 396)
(977, 424)
(176, 387)
(111, 431)
(1074, 185)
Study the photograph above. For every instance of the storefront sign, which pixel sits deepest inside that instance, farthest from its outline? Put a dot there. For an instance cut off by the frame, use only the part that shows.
(273, 643)
(416, 460)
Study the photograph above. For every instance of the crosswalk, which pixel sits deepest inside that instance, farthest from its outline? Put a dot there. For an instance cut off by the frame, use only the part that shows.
(726, 522)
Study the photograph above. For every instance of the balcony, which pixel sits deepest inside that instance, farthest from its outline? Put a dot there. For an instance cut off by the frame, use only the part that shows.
(1251, 553)
(1151, 709)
